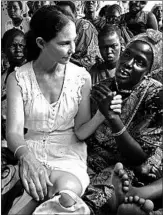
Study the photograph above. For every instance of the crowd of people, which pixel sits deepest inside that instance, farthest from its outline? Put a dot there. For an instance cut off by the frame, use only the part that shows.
(82, 105)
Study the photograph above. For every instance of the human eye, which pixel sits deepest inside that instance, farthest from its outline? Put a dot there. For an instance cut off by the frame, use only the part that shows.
(140, 62)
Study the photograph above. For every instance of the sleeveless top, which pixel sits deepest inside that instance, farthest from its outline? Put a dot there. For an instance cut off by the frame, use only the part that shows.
(51, 126)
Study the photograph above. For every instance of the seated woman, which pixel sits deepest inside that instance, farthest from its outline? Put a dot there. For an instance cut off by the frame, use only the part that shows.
(133, 138)
(51, 98)
(109, 40)
(138, 20)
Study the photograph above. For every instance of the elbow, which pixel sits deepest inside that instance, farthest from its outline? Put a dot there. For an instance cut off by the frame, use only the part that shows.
(79, 135)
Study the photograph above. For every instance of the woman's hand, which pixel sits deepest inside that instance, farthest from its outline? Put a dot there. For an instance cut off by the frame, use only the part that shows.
(108, 102)
(34, 176)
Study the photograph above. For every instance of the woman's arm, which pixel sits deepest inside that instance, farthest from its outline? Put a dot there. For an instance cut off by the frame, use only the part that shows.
(84, 125)
(15, 117)
(33, 175)
(127, 145)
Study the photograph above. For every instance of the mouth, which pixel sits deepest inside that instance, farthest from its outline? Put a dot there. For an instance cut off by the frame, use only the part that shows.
(124, 73)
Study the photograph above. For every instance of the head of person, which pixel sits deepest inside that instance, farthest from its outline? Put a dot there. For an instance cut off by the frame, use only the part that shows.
(109, 40)
(52, 34)
(157, 11)
(103, 10)
(136, 6)
(13, 45)
(141, 58)
(68, 6)
(113, 14)
(90, 6)
(15, 9)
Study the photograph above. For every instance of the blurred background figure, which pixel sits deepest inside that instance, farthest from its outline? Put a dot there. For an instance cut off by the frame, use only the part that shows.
(86, 50)
(13, 48)
(38, 4)
(137, 20)
(17, 20)
(157, 11)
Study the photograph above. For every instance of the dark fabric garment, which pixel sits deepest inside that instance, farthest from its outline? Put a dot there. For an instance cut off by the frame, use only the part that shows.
(138, 24)
(142, 115)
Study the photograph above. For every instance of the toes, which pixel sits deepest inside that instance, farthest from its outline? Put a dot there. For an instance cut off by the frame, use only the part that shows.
(141, 201)
(118, 167)
(148, 206)
(125, 177)
(130, 199)
(121, 172)
(125, 189)
(136, 199)
(126, 183)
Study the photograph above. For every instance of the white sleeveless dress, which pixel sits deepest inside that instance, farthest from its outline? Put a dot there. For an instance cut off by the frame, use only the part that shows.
(51, 126)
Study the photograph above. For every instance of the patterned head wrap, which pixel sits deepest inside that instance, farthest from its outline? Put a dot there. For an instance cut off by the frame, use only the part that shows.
(154, 39)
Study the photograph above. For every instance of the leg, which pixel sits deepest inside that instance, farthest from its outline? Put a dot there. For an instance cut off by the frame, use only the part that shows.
(64, 181)
(135, 205)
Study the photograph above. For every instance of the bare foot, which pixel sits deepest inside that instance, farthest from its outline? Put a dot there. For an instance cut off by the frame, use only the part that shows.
(135, 205)
(120, 182)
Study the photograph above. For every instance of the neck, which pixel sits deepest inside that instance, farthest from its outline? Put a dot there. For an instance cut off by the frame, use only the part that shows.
(17, 21)
(47, 67)
(91, 15)
(110, 65)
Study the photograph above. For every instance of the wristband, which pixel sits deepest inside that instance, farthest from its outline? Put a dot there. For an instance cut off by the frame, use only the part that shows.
(119, 132)
(18, 149)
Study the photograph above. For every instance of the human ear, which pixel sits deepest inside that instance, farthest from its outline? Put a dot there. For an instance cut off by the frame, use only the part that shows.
(40, 42)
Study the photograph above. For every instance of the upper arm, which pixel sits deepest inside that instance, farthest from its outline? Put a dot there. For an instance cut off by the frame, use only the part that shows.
(152, 21)
(15, 109)
(84, 113)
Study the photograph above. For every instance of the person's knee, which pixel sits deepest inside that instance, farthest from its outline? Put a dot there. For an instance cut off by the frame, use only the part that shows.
(66, 200)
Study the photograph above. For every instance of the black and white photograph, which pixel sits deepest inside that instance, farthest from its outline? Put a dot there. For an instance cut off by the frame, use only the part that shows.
(81, 107)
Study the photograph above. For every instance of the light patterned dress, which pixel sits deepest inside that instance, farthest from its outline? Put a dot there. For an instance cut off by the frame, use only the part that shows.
(51, 126)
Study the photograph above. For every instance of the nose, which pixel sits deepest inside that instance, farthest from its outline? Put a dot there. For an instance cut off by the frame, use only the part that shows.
(72, 48)
(129, 63)
(109, 50)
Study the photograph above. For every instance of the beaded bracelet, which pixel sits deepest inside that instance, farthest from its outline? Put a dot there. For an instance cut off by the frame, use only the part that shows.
(18, 149)
(119, 132)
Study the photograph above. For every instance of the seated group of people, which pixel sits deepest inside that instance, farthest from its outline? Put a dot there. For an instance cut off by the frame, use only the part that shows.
(81, 114)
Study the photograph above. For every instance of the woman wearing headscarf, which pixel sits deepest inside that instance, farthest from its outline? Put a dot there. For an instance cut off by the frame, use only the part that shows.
(133, 138)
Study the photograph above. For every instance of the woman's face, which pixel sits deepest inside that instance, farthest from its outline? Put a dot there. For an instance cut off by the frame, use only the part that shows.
(158, 13)
(113, 17)
(62, 46)
(110, 48)
(14, 10)
(15, 50)
(134, 63)
(136, 6)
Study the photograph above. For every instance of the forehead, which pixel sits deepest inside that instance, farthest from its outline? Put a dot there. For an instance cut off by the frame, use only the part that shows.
(109, 39)
(140, 47)
(13, 3)
(68, 32)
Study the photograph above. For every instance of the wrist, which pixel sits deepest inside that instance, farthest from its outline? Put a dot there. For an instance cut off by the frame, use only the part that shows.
(112, 117)
(20, 151)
